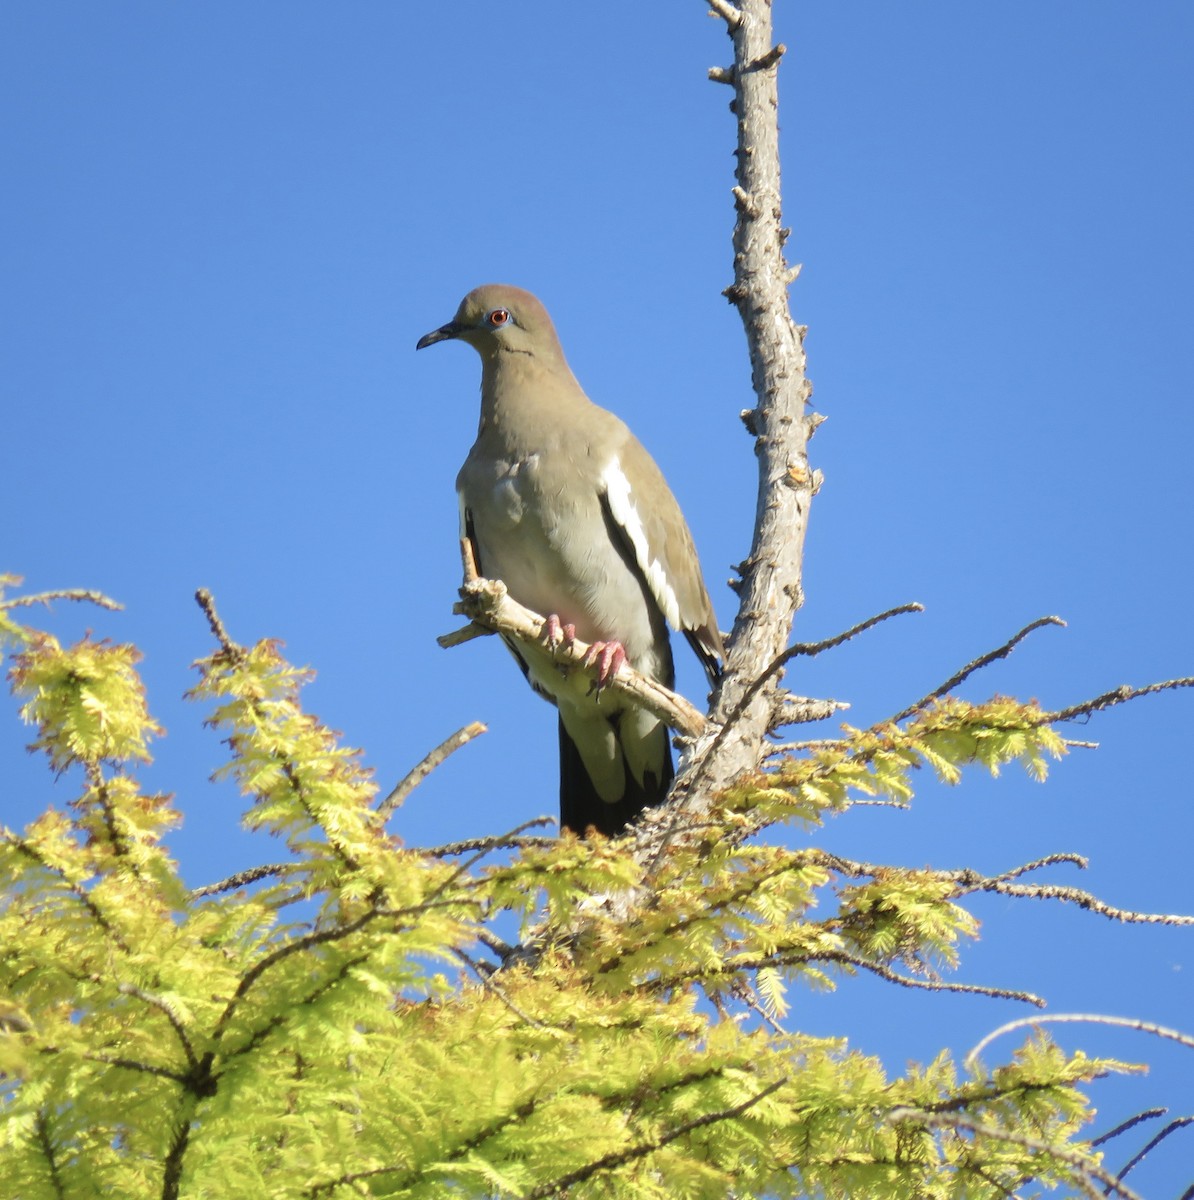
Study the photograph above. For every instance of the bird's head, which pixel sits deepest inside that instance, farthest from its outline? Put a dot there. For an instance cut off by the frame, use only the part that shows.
(497, 318)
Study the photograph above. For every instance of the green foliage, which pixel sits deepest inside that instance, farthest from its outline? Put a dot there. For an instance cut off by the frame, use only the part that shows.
(339, 1026)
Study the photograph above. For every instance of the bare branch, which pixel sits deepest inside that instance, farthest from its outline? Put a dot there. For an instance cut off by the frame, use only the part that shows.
(1152, 1144)
(207, 602)
(730, 14)
(421, 770)
(487, 602)
(1161, 1031)
(82, 594)
(982, 661)
(1149, 1114)
(1119, 695)
(243, 878)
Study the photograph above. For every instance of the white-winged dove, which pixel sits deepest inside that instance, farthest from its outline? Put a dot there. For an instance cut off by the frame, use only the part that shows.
(563, 504)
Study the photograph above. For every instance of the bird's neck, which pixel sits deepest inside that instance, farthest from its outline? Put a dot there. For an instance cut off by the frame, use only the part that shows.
(523, 396)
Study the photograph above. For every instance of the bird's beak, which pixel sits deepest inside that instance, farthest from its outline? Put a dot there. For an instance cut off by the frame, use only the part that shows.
(450, 330)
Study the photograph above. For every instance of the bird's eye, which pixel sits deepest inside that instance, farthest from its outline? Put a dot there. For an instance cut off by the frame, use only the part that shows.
(498, 317)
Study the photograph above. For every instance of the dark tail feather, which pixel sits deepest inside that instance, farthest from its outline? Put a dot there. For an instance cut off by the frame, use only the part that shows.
(581, 806)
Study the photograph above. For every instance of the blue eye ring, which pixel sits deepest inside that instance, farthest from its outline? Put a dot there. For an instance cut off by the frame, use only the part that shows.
(497, 317)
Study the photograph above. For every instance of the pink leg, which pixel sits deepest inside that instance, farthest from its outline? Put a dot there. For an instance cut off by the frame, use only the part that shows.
(557, 635)
(608, 657)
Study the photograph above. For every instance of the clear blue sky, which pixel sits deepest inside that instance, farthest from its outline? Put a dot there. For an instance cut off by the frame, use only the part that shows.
(224, 226)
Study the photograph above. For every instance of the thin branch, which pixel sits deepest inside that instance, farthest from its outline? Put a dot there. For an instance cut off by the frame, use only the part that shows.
(805, 650)
(1138, 1158)
(207, 602)
(1050, 860)
(982, 661)
(1087, 1170)
(1086, 900)
(46, 598)
(421, 770)
(1119, 695)
(485, 978)
(502, 842)
(1161, 1031)
(1149, 1114)
(619, 1158)
(242, 878)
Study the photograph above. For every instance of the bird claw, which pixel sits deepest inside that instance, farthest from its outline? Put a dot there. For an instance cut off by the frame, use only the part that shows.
(608, 658)
(556, 635)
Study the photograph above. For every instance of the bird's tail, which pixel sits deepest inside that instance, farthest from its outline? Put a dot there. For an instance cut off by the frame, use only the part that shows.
(581, 806)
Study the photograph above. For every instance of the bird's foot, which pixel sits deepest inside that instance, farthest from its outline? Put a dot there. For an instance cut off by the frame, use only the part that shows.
(608, 658)
(557, 635)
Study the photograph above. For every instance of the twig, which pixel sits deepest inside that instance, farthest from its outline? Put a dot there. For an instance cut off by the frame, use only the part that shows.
(242, 878)
(485, 978)
(1138, 1158)
(1160, 1031)
(806, 650)
(1072, 1158)
(83, 594)
(1119, 695)
(1149, 1114)
(421, 770)
(501, 842)
(980, 662)
(1050, 860)
(1088, 901)
(207, 602)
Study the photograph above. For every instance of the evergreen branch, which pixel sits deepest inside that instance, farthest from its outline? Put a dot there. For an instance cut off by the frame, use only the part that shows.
(130, 1064)
(1139, 1157)
(619, 1158)
(321, 937)
(475, 1139)
(742, 990)
(242, 878)
(276, 1022)
(129, 989)
(969, 669)
(425, 766)
(1088, 1172)
(1149, 1114)
(487, 847)
(81, 894)
(485, 977)
(745, 889)
(1161, 1031)
(82, 594)
(41, 1124)
(1119, 695)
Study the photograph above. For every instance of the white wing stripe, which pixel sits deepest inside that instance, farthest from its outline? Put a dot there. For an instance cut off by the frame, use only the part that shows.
(621, 504)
